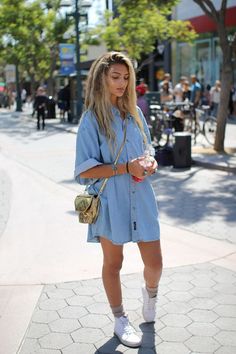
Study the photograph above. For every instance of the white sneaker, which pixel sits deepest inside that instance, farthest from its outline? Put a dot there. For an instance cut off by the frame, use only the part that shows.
(126, 333)
(149, 306)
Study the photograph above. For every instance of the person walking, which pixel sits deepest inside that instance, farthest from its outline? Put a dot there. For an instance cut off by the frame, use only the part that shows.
(195, 96)
(215, 97)
(40, 104)
(128, 210)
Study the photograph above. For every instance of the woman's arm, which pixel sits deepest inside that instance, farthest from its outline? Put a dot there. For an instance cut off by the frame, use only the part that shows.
(133, 167)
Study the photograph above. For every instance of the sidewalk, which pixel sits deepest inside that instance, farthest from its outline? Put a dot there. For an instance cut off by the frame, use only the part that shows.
(202, 153)
(197, 296)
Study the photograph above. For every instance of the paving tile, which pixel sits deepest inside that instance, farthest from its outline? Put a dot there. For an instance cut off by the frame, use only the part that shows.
(203, 304)
(37, 330)
(110, 345)
(48, 351)
(226, 310)
(55, 341)
(69, 285)
(94, 321)
(203, 329)
(183, 296)
(60, 293)
(87, 290)
(161, 300)
(79, 348)
(174, 334)
(227, 338)
(180, 286)
(41, 316)
(203, 315)
(182, 277)
(176, 320)
(73, 312)
(172, 348)
(225, 288)
(99, 308)
(226, 350)
(227, 323)
(52, 304)
(202, 344)
(30, 346)
(203, 282)
(79, 300)
(132, 304)
(101, 297)
(64, 325)
(163, 289)
(139, 351)
(132, 284)
(177, 307)
(226, 299)
(204, 292)
(131, 293)
(87, 335)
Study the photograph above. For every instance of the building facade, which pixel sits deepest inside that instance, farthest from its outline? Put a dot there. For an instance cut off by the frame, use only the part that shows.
(204, 57)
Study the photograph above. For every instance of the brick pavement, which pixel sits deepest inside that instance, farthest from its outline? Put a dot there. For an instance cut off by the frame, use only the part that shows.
(196, 314)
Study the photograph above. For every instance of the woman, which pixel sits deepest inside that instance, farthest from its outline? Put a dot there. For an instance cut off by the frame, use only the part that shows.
(128, 209)
(166, 92)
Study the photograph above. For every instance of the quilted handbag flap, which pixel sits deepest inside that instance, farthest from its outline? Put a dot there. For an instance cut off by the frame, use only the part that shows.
(83, 202)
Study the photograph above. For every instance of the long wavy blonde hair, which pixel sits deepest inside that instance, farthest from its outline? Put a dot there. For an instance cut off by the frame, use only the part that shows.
(97, 97)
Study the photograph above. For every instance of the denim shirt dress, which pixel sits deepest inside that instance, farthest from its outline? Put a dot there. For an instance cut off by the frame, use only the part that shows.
(128, 209)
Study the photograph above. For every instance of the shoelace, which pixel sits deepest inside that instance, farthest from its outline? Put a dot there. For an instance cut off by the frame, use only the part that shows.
(128, 329)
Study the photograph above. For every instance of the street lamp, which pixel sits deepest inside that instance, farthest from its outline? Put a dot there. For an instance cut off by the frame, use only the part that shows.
(78, 4)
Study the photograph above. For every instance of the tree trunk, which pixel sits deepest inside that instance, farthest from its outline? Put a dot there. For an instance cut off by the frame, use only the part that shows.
(226, 81)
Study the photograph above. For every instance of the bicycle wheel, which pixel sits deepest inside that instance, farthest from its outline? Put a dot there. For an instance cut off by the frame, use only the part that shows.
(209, 129)
(159, 126)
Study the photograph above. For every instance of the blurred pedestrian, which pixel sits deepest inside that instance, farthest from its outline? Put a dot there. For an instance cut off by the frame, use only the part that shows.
(166, 93)
(128, 210)
(64, 103)
(195, 97)
(215, 97)
(40, 104)
(166, 77)
(178, 90)
(231, 101)
(142, 102)
(186, 91)
(23, 96)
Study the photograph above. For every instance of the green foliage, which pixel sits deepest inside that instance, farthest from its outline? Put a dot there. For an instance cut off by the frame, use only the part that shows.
(140, 24)
(30, 32)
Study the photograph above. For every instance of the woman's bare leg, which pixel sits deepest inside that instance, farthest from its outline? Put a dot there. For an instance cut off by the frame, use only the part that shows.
(112, 264)
(152, 259)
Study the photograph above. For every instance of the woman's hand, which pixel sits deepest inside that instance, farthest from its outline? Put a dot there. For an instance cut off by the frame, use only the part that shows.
(140, 168)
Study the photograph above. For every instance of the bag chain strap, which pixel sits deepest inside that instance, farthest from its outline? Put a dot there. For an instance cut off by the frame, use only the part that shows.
(116, 160)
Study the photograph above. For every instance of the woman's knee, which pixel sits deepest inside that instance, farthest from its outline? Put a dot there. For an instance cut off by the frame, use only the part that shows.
(113, 264)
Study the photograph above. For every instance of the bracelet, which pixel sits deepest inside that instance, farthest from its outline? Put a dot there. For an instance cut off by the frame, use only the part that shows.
(127, 166)
(114, 169)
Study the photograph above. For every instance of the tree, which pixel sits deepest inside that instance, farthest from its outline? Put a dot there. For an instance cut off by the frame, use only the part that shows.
(30, 32)
(140, 23)
(218, 16)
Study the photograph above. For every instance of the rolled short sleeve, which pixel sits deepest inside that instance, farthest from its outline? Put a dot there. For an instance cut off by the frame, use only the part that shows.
(145, 126)
(87, 148)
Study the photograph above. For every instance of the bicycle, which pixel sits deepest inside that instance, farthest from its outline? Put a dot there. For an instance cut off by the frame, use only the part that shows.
(199, 121)
(161, 128)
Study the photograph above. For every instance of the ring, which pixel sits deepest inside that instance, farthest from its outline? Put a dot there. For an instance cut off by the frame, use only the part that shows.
(145, 173)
